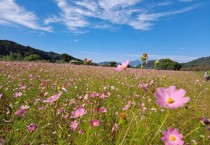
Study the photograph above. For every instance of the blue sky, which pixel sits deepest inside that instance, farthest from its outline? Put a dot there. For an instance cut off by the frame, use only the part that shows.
(106, 30)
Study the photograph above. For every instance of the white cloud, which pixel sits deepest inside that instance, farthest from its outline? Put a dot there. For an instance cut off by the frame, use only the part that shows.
(77, 15)
(12, 13)
(110, 4)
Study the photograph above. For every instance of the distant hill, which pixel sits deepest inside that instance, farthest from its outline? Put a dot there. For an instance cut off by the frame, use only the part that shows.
(9, 47)
(197, 62)
(202, 63)
(135, 63)
(106, 63)
(149, 65)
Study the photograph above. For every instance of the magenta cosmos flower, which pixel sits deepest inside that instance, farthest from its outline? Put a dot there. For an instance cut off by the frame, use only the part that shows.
(171, 97)
(172, 137)
(95, 123)
(78, 113)
(53, 98)
(123, 66)
(32, 127)
(102, 109)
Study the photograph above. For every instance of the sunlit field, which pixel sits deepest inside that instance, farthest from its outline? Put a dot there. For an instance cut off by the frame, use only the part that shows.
(45, 103)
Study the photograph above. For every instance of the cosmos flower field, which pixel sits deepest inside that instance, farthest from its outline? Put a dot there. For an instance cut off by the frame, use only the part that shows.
(45, 103)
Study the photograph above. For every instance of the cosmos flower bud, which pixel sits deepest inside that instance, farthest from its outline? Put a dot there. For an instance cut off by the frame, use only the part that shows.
(122, 119)
(123, 116)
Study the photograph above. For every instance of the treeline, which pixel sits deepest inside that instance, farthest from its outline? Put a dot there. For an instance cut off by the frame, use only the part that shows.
(163, 64)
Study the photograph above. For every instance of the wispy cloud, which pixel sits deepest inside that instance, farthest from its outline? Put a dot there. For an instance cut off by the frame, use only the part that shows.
(101, 14)
(164, 3)
(185, 0)
(12, 13)
(155, 16)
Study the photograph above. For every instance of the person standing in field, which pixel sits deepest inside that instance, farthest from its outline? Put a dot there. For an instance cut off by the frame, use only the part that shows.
(206, 76)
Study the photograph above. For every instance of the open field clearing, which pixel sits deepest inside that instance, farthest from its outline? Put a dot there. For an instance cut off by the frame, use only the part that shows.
(45, 103)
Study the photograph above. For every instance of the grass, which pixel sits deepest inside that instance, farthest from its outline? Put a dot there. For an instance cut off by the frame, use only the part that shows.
(139, 127)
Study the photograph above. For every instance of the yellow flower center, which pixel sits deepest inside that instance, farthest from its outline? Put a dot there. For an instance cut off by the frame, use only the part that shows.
(172, 138)
(95, 124)
(170, 100)
(123, 67)
(79, 115)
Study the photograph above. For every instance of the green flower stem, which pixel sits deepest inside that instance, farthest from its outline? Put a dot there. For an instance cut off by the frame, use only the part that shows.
(160, 127)
(191, 132)
(127, 129)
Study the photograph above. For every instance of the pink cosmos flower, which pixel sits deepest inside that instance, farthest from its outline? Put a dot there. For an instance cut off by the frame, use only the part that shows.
(18, 94)
(24, 107)
(95, 123)
(32, 127)
(197, 81)
(86, 97)
(144, 109)
(78, 113)
(40, 108)
(1, 95)
(143, 86)
(21, 112)
(53, 98)
(171, 97)
(115, 127)
(31, 76)
(172, 137)
(102, 109)
(2, 141)
(73, 125)
(103, 96)
(127, 106)
(43, 83)
(64, 89)
(81, 131)
(123, 66)
(23, 87)
(94, 95)
(206, 122)
(66, 115)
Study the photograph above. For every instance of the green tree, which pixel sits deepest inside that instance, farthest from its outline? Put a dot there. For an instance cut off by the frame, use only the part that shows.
(13, 57)
(65, 57)
(167, 64)
(32, 57)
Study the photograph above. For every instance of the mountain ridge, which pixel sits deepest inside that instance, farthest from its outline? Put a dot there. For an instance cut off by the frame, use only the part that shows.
(7, 47)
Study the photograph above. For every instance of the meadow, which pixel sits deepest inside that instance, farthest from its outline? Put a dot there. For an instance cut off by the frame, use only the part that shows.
(49, 104)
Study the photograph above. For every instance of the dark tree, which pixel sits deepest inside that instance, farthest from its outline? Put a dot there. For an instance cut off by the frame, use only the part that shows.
(112, 63)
